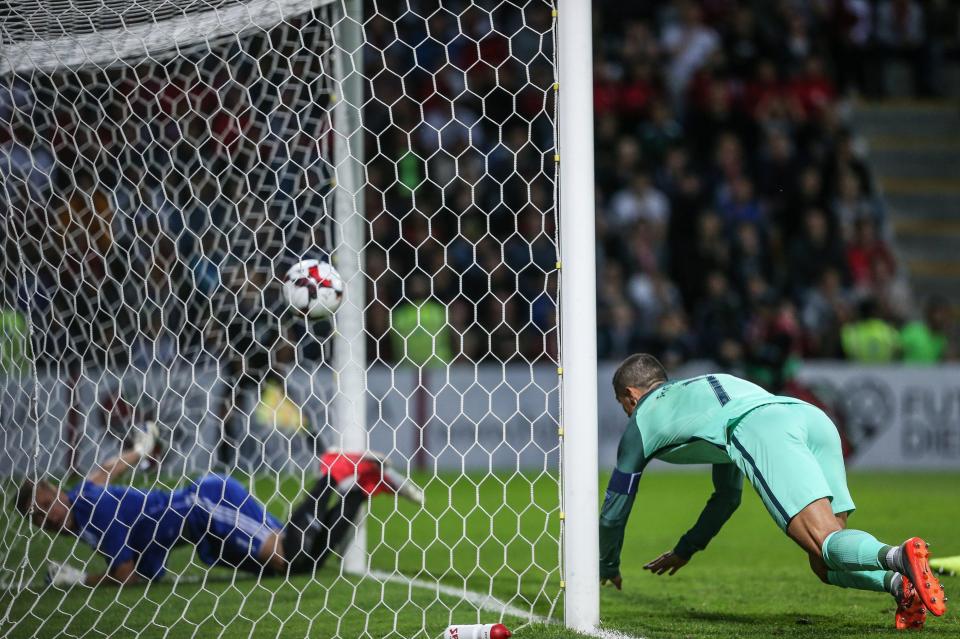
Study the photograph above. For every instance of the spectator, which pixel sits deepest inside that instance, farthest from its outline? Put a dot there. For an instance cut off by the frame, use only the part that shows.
(689, 44)
(673, 345)
(738, 205)
(826, 309)
(927, 342)
(813, 252)
(742, 43)
(902, 33)
(765, 92)
(14, 355)
(852, 23)
(871, 339)
(750, 256)
(420, 334)
(621, 336)
(811, 88)
(890, 290)
(719, 318)
(806, 194)
(640, 201)
(851, 206)
(864, 251)
(772, 338)
(843, 160)
(727, 185)
(652, 295)
(712, 251)
(660, 133)
(777, 172)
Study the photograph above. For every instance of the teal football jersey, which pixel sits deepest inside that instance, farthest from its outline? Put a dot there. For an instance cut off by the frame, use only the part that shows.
(686, 421)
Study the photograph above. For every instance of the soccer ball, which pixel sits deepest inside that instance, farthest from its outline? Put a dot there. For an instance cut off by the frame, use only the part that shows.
(314, 288)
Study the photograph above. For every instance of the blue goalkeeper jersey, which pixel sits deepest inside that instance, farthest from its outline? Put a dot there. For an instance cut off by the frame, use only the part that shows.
(124, 523)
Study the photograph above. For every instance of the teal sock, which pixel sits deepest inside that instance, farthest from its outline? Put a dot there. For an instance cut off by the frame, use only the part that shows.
(854, 550)
(873, 580)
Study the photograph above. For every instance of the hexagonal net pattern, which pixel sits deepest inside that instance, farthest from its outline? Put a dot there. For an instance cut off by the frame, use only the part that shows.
(188, 452)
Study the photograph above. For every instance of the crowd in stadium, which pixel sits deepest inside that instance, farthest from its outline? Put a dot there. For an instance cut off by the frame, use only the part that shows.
(737, 220)
(736, 217)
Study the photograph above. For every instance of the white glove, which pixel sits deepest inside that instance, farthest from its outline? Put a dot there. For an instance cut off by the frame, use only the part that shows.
(145, 440)
(403, 486)
(64, 574)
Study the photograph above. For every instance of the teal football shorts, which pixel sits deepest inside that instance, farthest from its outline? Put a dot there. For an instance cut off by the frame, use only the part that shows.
(792, 455)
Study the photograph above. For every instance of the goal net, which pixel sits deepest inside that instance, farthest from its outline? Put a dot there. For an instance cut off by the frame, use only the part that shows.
(163, 164)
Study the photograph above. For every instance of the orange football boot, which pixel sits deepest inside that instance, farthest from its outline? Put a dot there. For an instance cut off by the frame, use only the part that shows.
(911, 613)
(929, 589)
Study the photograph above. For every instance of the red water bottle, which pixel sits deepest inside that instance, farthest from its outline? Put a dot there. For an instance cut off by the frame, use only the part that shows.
(478, 631)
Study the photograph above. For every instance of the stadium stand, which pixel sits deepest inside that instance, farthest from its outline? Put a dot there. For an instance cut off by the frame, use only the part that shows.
(737, 216)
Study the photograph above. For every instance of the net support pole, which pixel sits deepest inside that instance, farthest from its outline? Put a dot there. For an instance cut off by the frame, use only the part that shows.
(578, 323)
(350, 357)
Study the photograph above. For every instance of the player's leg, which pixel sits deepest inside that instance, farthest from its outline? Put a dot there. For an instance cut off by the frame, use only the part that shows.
(271, 553)
(339, 525)
(308, 549)
(314, 505)
(816, 523)
(246, 535)
(231, 374)
(770, 447)
(305, 523)
(852, 558)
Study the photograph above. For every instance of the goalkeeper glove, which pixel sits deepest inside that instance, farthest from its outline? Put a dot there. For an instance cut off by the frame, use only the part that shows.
(64, 574)
(145, 440)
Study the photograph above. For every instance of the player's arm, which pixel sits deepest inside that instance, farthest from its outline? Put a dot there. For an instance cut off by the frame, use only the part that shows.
(119, 575)
(64, 575)
(621, 493)
(727, 490)
(143, 444)
(114, 467)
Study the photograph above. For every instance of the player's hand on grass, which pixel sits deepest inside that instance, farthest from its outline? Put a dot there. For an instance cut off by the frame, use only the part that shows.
(615, 581)
(60, 574)
(666, 561)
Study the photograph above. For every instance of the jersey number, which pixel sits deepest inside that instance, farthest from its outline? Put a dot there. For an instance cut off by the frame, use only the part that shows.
(715, 384)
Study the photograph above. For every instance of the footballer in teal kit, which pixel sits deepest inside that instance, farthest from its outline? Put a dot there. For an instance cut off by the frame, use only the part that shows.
(787, 449)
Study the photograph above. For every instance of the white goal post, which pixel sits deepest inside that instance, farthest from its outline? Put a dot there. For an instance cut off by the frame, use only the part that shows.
(578, 322)
(162, 164)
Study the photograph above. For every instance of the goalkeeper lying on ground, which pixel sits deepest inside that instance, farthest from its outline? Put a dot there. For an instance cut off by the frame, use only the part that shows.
(136, 529)
(788, 449)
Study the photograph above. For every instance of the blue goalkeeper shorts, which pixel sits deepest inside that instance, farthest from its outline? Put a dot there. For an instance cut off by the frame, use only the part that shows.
(228, 525)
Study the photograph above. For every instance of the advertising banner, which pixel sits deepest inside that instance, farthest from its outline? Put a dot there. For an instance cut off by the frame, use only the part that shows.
(462, 417)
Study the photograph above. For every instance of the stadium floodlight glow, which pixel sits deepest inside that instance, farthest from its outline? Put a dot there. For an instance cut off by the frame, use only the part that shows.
(163, 165)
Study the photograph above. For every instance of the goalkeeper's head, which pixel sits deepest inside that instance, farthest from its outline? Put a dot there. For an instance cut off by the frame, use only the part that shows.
(45, 504)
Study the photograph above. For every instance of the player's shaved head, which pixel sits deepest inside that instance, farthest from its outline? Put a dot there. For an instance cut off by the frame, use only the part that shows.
(640, 370)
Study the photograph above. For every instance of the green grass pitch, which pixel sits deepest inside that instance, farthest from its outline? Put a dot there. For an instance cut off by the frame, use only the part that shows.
(751, 582)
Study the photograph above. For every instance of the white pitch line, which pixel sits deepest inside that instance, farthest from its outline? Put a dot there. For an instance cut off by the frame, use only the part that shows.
(487, 602)
(480, 600)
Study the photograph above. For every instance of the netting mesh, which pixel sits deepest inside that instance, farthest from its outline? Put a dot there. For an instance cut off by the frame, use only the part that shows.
(163, 164)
